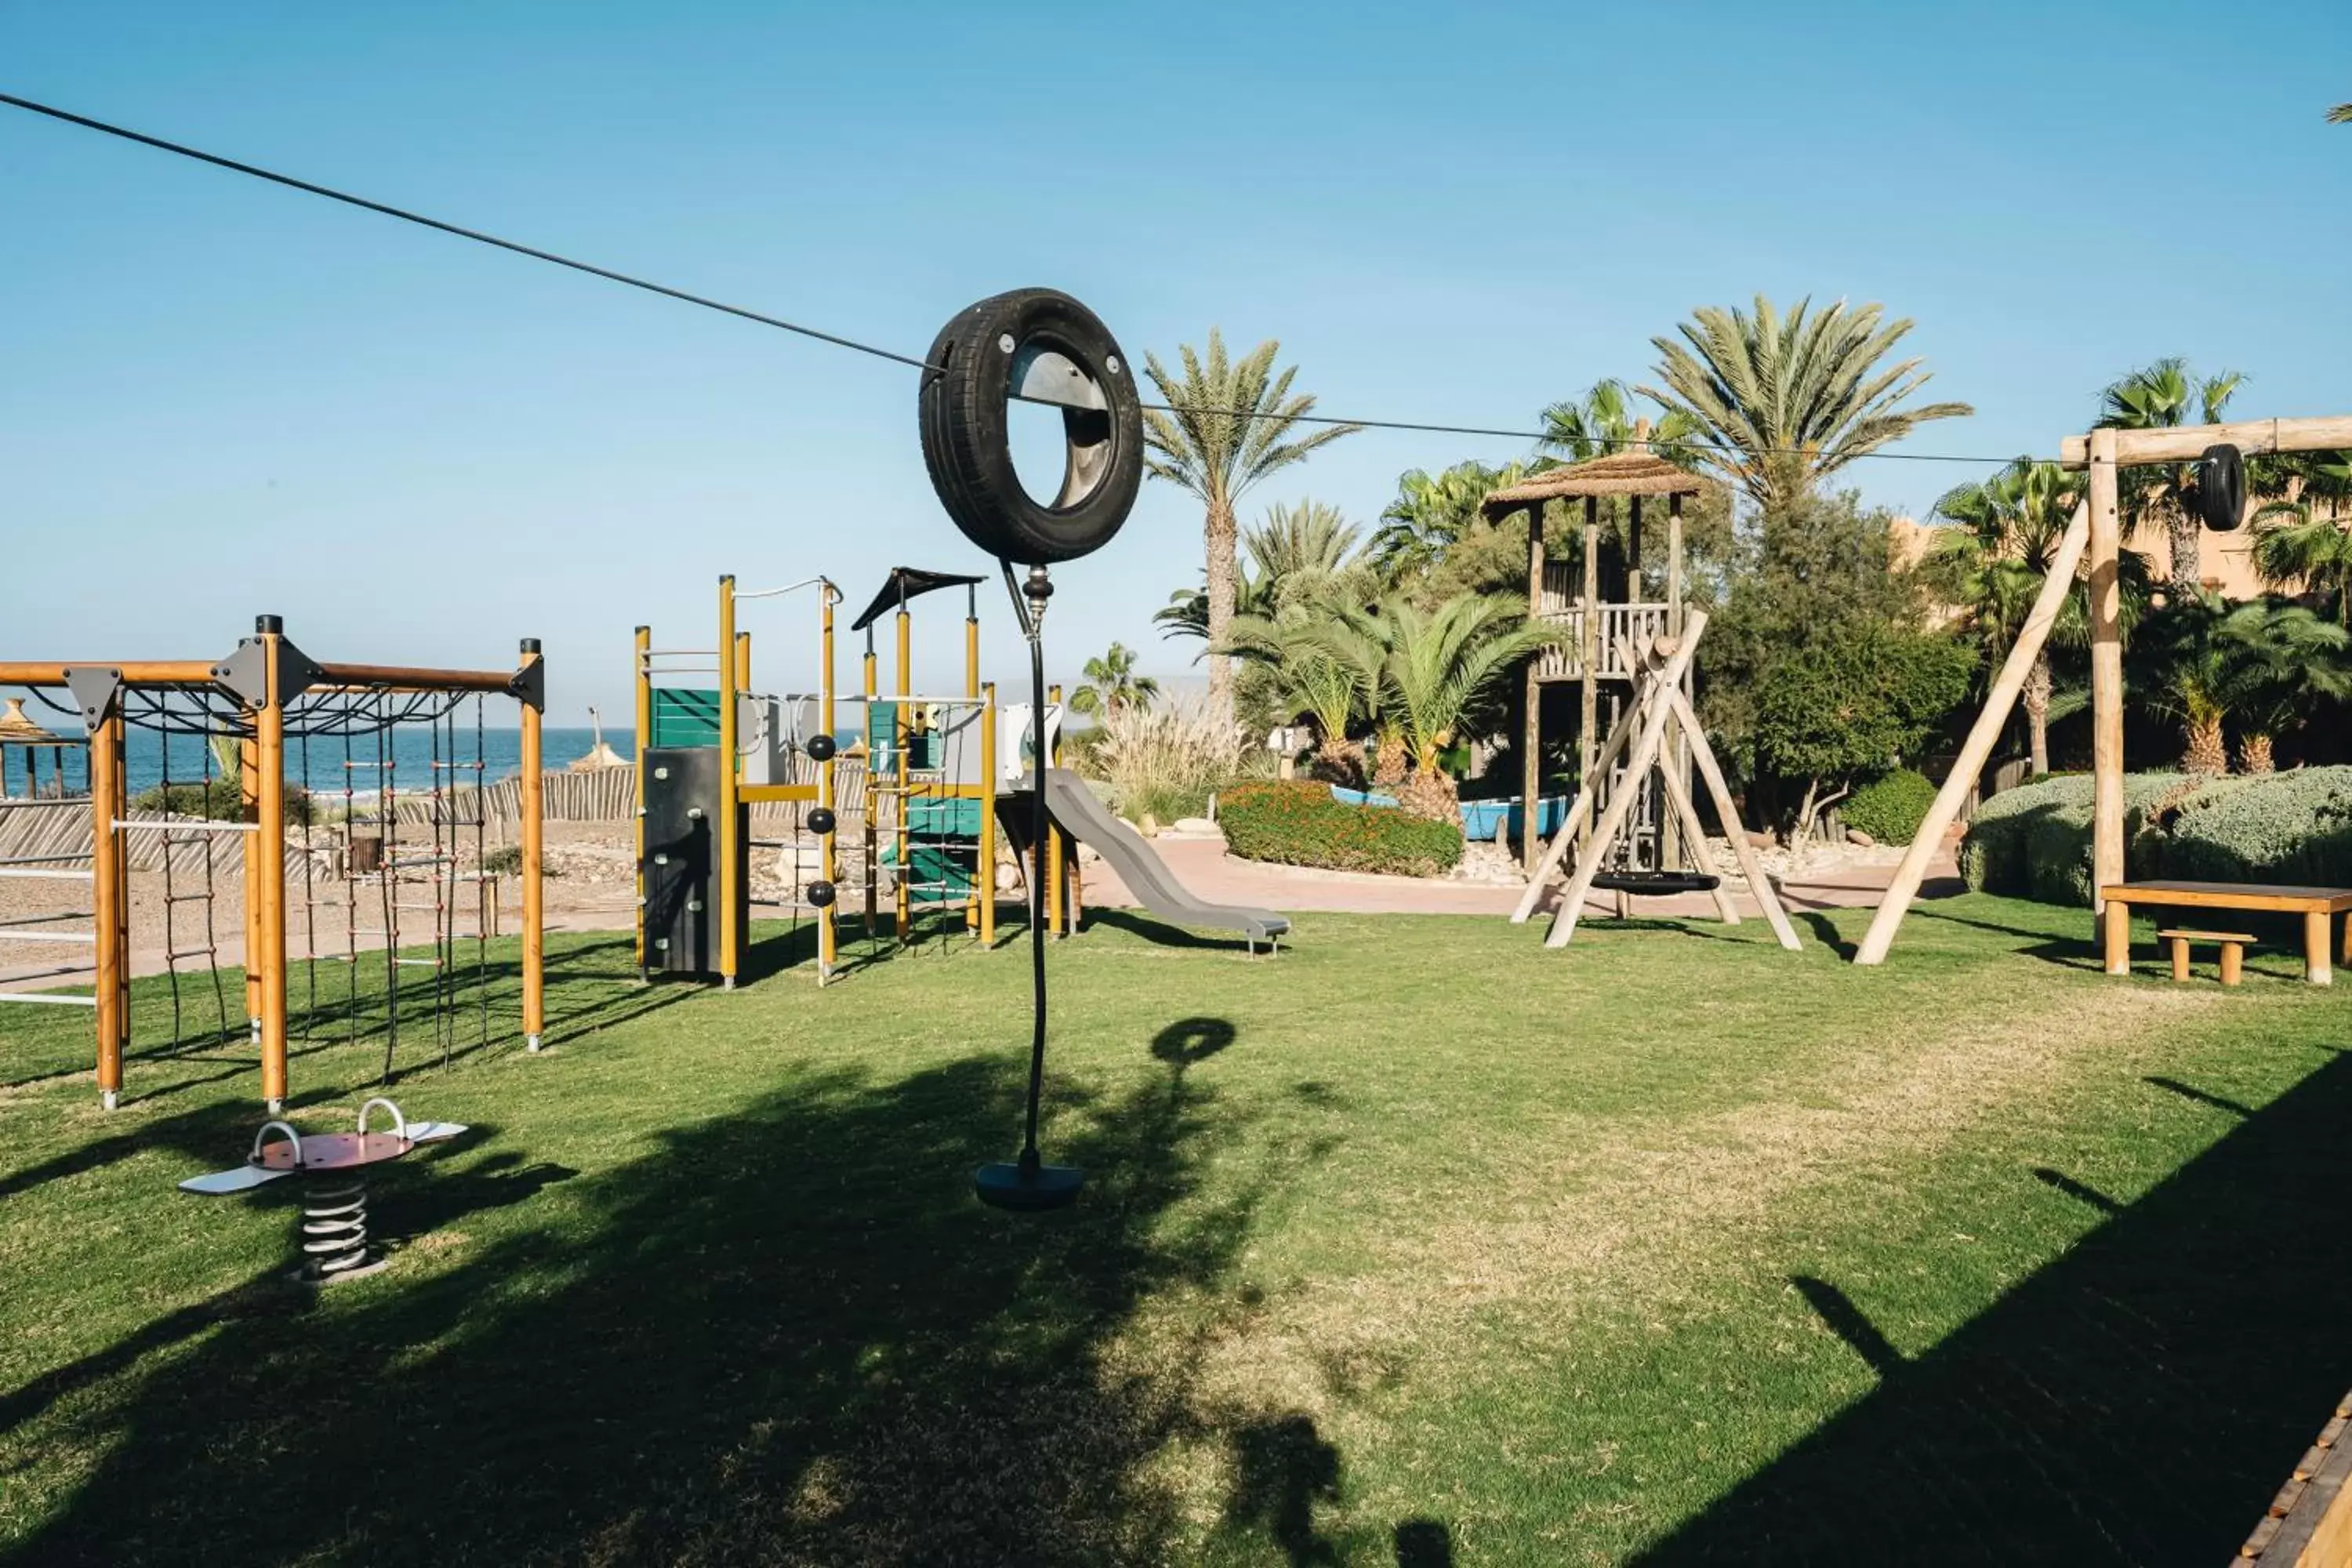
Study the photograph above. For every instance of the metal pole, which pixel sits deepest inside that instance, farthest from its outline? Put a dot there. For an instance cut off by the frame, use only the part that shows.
(645, 735)
(109, 886)
(724, 836)
(828, 938)
(270, 735)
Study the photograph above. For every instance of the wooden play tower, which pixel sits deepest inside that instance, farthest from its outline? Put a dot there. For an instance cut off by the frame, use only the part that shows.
(1599, 598)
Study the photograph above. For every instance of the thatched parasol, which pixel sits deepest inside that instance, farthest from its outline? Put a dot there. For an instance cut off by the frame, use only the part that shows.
(16, 730)
(600, 755)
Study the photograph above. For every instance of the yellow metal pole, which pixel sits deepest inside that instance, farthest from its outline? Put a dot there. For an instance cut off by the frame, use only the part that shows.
(109, 887)
(644, 736)
(828, 940)
(533, 806)
(1050, 744)
(270, 840)
(724, 831)
(872, 843)
(984, 870)
(906, 630)
(981, 887)
(248, 795)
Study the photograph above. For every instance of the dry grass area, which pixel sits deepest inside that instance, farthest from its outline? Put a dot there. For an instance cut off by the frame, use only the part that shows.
(1420, 1244)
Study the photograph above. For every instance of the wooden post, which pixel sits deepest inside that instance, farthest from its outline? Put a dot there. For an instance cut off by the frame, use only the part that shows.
(1978, 746)
(1588, 695)
(531, 803)
(2114, 926)
(268, 840)
(1751, 869)
(644, 738)
(723, 835)
(1694, 851)
(2316, 945)
(1580, 812)
(828, 939)
(2106, 670)
(1531, 721)
(109, 886)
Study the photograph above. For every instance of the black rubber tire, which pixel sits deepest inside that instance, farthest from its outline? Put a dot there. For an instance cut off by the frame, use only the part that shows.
(963, 418)
(2221, 488)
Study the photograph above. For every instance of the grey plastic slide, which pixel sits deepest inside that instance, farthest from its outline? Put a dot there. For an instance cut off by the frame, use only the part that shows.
(1073, 807)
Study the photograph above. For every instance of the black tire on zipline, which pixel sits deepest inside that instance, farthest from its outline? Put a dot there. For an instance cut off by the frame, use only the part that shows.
(965, 401)
(2221, 488)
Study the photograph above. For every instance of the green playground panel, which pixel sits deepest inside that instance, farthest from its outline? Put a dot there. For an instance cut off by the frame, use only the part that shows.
(943, 870)
(882, 740)
(943, 817)
(684, 716)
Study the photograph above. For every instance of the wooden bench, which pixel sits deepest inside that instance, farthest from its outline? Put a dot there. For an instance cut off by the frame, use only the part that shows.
(2317, 906)
(2232, 944)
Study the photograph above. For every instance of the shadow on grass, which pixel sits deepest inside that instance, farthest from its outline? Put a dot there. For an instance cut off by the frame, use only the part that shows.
(2139, 1400)
(1159, 933)
(788, 1335)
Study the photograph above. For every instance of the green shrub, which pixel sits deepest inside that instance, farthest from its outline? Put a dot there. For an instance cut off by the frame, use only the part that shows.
(505, 860)
(1890, 807)
(2034, 841)
(1298, 824)
(218, 801)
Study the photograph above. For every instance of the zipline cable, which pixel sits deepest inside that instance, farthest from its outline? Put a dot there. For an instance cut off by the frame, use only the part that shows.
(876, 352)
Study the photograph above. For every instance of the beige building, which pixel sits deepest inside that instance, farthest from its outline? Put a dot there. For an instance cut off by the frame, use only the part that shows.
(2225, 561)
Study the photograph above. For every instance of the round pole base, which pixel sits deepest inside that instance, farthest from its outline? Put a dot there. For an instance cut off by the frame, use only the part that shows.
(1027, 1188)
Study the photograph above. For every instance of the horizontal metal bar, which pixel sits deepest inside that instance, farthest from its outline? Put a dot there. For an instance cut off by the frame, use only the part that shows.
(52, 998)
(135, 672)
(83, 937)
(42, 859)
(11, 871)
(25, 802)
(410, 678)
(177, 825)
(44, 920)
(681, 653)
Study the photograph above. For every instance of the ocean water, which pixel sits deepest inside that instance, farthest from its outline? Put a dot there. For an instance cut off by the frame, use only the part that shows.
(410, 752)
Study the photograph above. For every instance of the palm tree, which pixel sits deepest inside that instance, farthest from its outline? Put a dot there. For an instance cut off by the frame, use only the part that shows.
(1602, 421)
(2209, 660)
(1442, 666)
(2295, 545)
(1786, 402)
(1993, 566)
(1112, 686)
(1304, 552)
(2165, 396)
(2340, 115)
(1434, 512)
(1228, 423)
(1313, 674)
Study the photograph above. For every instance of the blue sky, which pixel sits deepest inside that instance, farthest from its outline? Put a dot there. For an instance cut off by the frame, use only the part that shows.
(217, 397)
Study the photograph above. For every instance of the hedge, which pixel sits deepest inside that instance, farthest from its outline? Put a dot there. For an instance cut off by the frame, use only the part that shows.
(1891, 807)
(1298, 824)
(2034, 841)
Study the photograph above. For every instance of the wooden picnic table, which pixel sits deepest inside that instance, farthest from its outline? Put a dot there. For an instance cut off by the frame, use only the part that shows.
(2317, 906)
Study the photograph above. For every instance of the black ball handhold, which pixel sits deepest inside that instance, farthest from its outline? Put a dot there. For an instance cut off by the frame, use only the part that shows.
(820, 820)
(820, 748)
(820, 894)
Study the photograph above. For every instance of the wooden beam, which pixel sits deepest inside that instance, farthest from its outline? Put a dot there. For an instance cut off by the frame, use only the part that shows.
(1767, 898)
(1580, 811)
(2107, 667)
(1531, 727)
(2185, 443)
(1982, 735)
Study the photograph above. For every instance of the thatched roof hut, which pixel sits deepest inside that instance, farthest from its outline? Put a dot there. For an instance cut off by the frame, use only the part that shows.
(16, 729)
(1617, 474)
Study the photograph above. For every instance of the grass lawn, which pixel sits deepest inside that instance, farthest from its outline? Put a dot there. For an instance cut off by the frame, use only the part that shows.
(1418, 1245)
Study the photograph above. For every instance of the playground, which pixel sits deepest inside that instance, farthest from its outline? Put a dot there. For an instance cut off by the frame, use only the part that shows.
(1573, 1262)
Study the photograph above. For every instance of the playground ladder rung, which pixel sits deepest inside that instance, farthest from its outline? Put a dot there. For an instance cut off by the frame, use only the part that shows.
(476, 767)
(44, 920)
(192, 952)
(420, 909)
(404, 865)
(48, 936)
(188, 899)
(7, 870)
(41, 859)
(372, 767)
(52, 1000)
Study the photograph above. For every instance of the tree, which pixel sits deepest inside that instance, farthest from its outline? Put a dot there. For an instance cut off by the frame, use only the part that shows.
(2165, 395)
(2340, 115)
(1602, 421)
(2295, 545)
(1852, 700)
(2204, 660)
(1112, 686)
(1302, 650)
(1436, 514)
(1304, 553)
(1993, 566)
(1787, 402)
(1229, 424)
(1442, 666)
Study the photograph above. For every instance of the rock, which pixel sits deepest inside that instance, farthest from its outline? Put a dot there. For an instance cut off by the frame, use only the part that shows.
(1192, 825)
(1149, 827)
(1856, 836)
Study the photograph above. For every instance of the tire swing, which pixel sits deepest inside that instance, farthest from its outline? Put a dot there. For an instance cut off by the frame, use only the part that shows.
(2221, 488)
(1032, 345)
